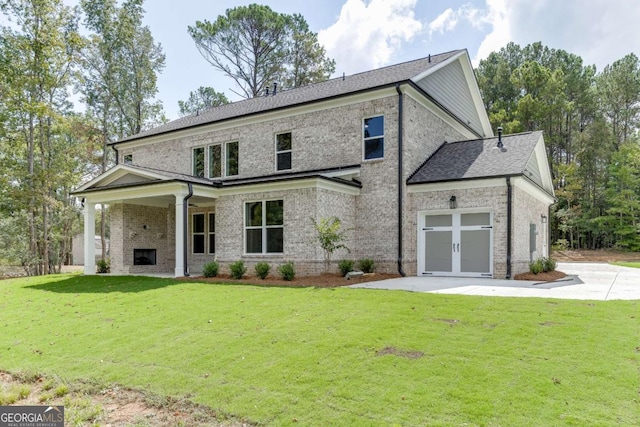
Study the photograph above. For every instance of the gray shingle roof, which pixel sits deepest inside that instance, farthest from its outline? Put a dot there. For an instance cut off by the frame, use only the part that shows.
(302, 95)
(478, 158)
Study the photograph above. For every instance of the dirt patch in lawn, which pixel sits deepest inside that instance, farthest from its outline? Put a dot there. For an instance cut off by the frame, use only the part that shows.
(318, 281)
(87, 404)
(400, 353)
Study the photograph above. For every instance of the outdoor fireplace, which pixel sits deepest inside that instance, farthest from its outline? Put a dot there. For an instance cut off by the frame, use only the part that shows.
(144, 257)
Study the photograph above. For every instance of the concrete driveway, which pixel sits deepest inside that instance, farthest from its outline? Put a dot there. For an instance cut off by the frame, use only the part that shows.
(585, 281)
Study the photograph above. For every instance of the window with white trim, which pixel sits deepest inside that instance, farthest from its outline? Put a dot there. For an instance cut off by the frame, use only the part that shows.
(373, 137)
(232, 158)
(198, 162)
(283, 151)
(197, 233)
(215, 161)
(264, 227)
(212, 233)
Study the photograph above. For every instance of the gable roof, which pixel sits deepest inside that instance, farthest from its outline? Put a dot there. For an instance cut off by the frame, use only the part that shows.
(522, 155)
(416, 72)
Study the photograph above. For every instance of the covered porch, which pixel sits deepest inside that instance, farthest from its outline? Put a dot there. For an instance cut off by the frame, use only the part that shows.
(149, 218)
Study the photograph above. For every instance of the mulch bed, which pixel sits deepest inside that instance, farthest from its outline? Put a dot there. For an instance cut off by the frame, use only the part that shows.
(550, 276)
(317, 281)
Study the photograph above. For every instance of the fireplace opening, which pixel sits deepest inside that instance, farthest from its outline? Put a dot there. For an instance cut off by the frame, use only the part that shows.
(144, 257)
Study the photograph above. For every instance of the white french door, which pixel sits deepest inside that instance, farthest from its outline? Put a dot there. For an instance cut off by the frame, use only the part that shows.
(455, 244)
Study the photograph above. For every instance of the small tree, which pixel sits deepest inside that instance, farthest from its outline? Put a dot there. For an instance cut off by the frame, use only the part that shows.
(330, 237)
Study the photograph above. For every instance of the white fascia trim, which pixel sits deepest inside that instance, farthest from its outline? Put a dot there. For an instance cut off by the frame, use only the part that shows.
(291, 185)
(437, 67)
(457, 185)
(467, 68)
(533, 190)
(136, 192)
(436, 110)
(263, 117)
(543, 165)
(116, 173)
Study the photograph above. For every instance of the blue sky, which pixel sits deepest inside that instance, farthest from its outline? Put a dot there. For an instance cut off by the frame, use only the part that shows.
(365, 34)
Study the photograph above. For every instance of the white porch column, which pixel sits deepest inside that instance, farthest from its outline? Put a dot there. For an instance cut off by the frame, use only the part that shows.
(89, 238)
(180, 220)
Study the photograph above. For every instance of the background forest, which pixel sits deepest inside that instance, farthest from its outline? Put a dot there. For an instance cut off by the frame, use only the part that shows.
(73, 80)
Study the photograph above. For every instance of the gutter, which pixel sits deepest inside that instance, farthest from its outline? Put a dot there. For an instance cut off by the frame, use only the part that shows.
(185, 230)
(117, 155)
(400, 181)
(509, 219)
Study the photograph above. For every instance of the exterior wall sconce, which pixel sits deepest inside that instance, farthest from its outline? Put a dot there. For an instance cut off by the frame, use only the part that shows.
(543, 218)
(453, 203)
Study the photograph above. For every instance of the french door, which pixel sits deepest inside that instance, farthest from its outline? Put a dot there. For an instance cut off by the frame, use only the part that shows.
(456, 244)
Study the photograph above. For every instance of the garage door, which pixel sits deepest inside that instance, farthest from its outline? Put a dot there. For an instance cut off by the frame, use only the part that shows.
(456, 244)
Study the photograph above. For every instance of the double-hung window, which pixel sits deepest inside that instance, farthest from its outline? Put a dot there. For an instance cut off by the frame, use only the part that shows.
(373, 132)
(283, 151)
(264, 227)
(215, 161)
(212, 233)
(232, 160)
(198, 233)
(198, 162)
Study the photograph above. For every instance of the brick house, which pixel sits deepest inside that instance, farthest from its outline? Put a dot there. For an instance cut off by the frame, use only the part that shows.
(403, 155)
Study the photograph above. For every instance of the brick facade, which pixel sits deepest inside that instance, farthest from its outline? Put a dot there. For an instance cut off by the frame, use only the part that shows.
(326, 138)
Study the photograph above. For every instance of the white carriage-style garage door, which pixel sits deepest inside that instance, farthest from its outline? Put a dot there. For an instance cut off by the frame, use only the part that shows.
(455, 244)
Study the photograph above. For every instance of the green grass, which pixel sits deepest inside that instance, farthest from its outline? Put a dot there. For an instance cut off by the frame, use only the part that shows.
(283, 356)
(633, 264)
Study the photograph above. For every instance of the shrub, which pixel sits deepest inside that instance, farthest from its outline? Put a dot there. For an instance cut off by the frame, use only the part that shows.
(237, 269)
(287, 271)
(262, 269)
(345, 266)
(103, 266)
(367, 265)
(536, 266)
(550, 264)
(211, 269)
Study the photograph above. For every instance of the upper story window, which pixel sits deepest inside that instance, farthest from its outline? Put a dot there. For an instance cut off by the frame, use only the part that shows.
(228, 152)
(283, 151)
(128, 159)
(198, 162)
(373, 132)
(215, 161)
(264, 227)
(232, 158)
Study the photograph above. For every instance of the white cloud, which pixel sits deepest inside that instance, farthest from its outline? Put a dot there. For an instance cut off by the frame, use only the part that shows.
(449, 19)
(599, 31)
(368, 33)
(496, 16)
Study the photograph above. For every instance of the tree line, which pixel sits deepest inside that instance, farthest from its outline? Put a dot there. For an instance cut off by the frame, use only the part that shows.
(590, 121)
(101, 52)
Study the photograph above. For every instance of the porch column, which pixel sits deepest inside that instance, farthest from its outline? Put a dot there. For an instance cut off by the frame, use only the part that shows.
(89, 238)
(180, 219)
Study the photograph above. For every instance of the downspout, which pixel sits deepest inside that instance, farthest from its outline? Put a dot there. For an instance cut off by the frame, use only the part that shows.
(400, 180)
(185, 230)
(117, 155)
(509, 214)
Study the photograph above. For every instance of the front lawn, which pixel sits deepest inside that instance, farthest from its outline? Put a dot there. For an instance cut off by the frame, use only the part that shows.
(281, 356)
